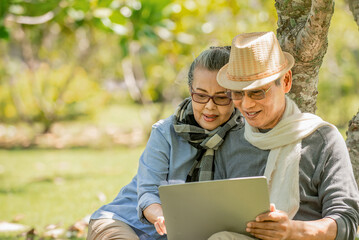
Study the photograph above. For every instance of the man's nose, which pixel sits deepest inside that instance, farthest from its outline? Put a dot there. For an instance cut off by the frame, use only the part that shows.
(247, 102)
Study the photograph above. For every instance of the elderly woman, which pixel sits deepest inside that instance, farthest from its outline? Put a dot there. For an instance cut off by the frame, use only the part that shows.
(176, 151)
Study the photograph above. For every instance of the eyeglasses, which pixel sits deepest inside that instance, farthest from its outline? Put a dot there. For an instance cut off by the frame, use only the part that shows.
(255, 94)
(220, 100)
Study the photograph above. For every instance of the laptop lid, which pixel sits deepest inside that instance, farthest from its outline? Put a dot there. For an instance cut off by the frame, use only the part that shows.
(198, 210)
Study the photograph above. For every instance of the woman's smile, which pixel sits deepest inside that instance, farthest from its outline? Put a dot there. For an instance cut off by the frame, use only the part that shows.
(210, 117)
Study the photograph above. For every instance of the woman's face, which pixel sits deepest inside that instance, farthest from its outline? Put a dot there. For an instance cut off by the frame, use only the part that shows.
(209, 115)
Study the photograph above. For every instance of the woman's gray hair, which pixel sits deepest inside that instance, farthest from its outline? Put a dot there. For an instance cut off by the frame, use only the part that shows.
(211, 59)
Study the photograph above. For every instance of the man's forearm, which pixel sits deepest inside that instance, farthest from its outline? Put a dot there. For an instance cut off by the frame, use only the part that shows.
(325, 228)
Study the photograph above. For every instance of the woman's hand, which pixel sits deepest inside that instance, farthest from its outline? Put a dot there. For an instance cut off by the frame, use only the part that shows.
(154, 214)
(271, 225)
(160, 226)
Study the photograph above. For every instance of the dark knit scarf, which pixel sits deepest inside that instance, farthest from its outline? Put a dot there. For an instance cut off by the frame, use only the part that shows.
(204, 140)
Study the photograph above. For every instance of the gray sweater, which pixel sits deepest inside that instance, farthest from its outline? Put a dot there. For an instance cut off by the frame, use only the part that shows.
(326, 181)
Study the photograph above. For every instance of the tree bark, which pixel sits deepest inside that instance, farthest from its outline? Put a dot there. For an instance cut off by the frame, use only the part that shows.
(353, 130)
(354, 8)
(353, 144)
(303, 31)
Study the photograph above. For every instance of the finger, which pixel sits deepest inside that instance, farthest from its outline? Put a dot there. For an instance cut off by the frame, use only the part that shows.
(158, 229)
(263, 237)
(265, 225)
(163, 227)
(272, 207)
(161, 224)
(272, 216)
(265, 234)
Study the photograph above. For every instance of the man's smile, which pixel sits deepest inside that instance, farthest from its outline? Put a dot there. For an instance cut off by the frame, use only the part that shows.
(252, 114)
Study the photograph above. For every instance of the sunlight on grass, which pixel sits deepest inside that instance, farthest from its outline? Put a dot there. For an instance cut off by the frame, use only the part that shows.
(61, 187)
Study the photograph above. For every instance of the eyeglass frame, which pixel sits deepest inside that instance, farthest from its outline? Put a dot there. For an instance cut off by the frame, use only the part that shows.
(211, 97)
(250, 93)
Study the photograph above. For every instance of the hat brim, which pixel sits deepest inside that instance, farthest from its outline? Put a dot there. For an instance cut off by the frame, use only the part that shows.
(248, 85)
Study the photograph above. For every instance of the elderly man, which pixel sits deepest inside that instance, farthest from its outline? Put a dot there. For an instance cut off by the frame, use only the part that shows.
(305, 160)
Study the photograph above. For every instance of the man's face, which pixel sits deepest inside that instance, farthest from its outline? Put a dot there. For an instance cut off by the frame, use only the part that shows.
(267, 112)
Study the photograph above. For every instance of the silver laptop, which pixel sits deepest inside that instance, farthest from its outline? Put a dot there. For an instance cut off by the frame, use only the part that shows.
(198, 210)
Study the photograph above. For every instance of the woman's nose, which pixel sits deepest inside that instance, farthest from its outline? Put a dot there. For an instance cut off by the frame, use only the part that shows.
(210, 104)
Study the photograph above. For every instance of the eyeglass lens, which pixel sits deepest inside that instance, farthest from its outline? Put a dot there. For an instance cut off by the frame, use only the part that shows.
(256, 94)
(217, 99)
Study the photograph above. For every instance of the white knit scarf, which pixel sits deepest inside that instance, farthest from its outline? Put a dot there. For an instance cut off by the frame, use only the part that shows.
(285, 143)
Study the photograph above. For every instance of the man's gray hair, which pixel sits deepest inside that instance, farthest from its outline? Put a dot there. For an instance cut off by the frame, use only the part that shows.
(211, 59)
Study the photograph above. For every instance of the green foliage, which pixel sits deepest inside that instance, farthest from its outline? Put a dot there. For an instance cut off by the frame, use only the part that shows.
(4, 5)
(33, 8)
(49, 95)
(160, 39)
(3, 32)
(338, 87)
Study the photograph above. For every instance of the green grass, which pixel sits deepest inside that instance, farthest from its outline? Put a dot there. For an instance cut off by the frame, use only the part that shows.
(61, 186)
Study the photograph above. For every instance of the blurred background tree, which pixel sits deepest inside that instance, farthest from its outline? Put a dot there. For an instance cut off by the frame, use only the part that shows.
(63, 60)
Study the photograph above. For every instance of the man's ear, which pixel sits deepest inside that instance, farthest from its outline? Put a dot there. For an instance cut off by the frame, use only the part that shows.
(287, 82)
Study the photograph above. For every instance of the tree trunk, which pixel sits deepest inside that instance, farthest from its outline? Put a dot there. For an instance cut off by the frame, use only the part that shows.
(353, 130)
(303, 31)
(354, 7)
(353, 144)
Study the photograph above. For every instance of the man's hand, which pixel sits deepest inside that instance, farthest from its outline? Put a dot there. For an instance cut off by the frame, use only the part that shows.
(271, 225)
(276, 225)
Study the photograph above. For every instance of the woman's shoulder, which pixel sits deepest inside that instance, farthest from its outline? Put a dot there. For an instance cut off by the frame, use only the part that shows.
(164, 127)
(165, 123)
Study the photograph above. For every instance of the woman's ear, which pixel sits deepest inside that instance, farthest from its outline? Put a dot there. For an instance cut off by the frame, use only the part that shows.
(287, 82)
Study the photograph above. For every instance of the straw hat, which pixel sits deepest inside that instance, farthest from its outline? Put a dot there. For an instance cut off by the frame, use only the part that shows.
(256, 59)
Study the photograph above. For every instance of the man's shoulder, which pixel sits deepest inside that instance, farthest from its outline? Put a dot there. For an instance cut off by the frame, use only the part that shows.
(326, 134)
(325, 138)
